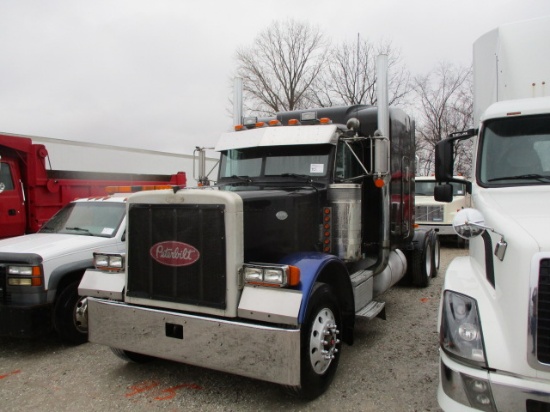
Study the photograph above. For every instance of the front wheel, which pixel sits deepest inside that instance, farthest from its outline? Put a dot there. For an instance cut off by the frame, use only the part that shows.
(320, 345)
(69, 315)
(132, 357)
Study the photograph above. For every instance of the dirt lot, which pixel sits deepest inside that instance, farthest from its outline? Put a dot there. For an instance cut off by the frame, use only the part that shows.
(393, 366)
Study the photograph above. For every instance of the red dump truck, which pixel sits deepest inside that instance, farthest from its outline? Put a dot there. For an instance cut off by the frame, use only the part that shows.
(31, 191)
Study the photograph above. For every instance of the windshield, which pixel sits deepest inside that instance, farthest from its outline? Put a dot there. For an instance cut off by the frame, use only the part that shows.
(298, 161)
(426, 188)
(515, 151)
(87, 219)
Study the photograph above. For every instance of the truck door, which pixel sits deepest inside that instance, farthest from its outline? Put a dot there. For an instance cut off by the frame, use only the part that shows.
(12, 202)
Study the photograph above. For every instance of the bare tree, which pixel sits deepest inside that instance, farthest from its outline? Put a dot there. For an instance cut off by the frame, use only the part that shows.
(445, 105)
(350, 75)
(280, 66)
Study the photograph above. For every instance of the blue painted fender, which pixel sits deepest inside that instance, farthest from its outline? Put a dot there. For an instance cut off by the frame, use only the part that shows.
(317, 266)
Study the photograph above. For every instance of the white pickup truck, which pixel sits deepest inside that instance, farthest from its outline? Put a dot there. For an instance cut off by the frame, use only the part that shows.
(40, 272)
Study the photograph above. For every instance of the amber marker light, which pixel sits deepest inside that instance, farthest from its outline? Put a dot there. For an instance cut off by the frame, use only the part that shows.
(379, 183)
(36, 279)
(134, 189)
(293, 275)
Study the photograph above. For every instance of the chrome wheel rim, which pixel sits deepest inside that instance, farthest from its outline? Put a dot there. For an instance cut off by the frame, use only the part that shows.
(323, 341)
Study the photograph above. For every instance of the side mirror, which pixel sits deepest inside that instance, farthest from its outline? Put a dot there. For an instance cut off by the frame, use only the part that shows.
(469, 223)
(443, 193)
(444, 161)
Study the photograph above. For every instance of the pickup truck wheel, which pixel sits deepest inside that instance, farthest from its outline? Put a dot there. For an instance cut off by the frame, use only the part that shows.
(70, 319)
(320, 346)
(133, 357)
(423, 265)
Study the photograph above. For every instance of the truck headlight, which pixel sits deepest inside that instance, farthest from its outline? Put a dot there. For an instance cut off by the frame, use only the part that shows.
(111, 262)
(271, 275)
(25, 275)
(460, 334)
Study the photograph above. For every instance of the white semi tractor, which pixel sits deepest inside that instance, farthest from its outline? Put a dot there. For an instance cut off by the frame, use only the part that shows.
(494, 316)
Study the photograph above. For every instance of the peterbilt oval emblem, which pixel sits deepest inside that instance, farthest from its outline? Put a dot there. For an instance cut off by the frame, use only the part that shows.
(281, 215)
(172, 253)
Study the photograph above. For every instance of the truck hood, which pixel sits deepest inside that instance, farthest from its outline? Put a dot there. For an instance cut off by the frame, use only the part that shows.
(511, 213)
(286, 219)
(51, 245)
(522, 216)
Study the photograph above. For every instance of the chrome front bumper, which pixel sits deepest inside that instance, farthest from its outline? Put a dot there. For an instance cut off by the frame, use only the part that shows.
(509, 393)
(256, 351)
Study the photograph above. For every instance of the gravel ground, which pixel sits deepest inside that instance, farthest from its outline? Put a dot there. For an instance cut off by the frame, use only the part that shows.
(393, 366)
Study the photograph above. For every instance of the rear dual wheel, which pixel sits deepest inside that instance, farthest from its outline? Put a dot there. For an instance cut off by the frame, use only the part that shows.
(425, 262)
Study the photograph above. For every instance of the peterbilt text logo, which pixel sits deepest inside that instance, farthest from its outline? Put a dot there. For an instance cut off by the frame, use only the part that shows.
(172, 253)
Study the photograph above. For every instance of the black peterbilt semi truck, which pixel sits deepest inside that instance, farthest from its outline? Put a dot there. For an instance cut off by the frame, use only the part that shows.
(263, 273)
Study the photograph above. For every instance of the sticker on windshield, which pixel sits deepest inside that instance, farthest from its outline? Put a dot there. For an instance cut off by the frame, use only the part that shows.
(317, 168)
(107, 231)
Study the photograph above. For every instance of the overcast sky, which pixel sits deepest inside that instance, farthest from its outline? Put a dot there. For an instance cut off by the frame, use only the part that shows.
(156, 74)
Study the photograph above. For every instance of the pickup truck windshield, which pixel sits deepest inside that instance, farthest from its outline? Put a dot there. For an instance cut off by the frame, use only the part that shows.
(87, 219)
(288, 161)
(515, 151)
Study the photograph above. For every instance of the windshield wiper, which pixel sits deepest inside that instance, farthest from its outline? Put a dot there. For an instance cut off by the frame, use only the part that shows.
(79, 229)
(246, 179)
(530, 176)
(298, 176)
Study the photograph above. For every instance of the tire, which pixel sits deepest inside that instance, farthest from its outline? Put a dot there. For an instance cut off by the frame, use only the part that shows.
(133, 357)
(69, 315)
(422, 264)
(436, 254)
(319, 333)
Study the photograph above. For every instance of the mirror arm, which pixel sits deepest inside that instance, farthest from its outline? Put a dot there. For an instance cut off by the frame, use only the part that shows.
(500, 248)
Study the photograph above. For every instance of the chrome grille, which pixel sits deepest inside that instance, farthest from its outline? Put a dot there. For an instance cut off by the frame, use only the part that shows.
(202, 283)
(428, 214)
(543, 313)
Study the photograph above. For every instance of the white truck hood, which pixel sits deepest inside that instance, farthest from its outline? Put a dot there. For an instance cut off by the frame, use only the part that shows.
(52, 245)
(532, 216)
